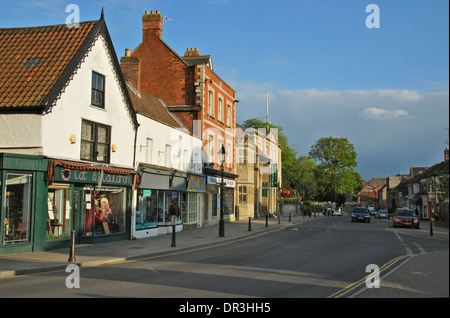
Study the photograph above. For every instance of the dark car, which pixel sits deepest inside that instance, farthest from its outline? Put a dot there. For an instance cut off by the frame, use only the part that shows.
(405, 217)
(361, 214)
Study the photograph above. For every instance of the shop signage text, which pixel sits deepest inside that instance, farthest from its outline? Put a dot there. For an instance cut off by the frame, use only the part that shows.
(85, 176)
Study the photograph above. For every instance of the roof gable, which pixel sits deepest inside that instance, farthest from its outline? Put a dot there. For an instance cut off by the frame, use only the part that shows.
(37, 63)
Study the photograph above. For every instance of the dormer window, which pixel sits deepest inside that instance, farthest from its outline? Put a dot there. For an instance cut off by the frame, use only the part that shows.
(98, 90)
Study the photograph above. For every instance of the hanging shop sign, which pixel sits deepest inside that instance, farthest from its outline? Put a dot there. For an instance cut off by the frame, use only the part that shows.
(196, 184)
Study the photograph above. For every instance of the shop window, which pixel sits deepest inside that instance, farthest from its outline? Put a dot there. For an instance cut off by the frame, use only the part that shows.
(147, 213)
(105, 211)
(59, 222)
(95, 141)
(17, 204)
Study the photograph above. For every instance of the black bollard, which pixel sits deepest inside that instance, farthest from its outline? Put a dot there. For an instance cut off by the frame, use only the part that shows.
(431, 228)
(72, 247)
(267, 220)
(173, 236)
(249, 224)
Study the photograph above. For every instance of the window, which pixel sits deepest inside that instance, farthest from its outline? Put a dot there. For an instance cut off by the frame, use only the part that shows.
(167, 161)
(242, 155)
(105, 211)
(220, 110)
(229, 115)
(95, 141)
(98, 90)
(242, 194)
(211, 148)
(17, 205)
(149, 150)
(59, 222)
(211, 103)
(229, 159)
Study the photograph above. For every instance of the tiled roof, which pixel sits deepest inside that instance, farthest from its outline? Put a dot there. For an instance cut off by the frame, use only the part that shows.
(152, 107)
(33, 59)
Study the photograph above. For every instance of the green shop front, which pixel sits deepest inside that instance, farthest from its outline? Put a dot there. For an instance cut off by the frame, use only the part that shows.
(92, 199)
(23, 192)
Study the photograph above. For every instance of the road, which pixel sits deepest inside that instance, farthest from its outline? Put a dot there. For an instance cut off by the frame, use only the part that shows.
(317, 259)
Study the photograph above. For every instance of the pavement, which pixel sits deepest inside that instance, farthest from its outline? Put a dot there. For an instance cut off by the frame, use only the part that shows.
(414, 273)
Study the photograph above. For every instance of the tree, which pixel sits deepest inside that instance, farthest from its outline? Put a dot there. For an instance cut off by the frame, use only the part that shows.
(337, 158)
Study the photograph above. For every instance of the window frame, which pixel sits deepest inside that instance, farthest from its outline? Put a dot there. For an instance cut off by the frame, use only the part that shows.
(95, 142)
(95, 90)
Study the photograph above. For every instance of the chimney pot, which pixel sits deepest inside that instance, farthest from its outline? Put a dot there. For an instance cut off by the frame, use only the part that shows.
(127, 52)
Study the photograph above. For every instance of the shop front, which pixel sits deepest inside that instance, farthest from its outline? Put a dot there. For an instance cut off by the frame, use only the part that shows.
(194, 214)
(22, 198)
(158, 189)
(213, 188)
(94, 200)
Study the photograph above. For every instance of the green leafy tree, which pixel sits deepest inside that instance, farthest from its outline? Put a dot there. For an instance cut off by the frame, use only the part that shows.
(337, 158)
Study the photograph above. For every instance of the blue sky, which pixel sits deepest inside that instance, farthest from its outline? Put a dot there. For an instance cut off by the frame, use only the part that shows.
(384, 89)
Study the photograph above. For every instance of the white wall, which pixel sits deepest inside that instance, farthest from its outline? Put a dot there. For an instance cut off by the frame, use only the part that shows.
(151, 144)
(20, 131)
(75, 105)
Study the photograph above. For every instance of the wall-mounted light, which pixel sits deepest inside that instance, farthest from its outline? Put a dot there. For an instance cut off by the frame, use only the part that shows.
(113, 148)
(73, 139)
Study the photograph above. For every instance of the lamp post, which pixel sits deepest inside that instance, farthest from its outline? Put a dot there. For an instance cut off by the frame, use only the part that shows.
(222, 154)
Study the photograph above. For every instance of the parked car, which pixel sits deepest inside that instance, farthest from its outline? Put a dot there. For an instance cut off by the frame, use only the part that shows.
(383, 214)
(361, 214)
(405, 217)
(372, 211)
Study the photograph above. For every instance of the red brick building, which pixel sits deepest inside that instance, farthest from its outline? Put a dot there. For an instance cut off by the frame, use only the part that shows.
(191, 89)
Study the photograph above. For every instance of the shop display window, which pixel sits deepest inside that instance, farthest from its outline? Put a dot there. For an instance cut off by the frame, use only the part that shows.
(60, 216)
(17, 207)
(105, 211)
(147, 213)
(153, 207)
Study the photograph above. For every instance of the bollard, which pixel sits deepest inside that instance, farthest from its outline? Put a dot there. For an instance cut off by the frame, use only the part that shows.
(431, 228)
(249, 224)
(267, 220)
(72, 247)
(289, 217)
(173, 236)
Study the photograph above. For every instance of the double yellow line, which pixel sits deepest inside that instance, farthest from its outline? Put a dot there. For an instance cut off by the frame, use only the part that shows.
(363, 280)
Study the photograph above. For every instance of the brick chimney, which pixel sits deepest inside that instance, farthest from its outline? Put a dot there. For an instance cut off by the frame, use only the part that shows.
(131, 69)
(446, 154)
(152, 24)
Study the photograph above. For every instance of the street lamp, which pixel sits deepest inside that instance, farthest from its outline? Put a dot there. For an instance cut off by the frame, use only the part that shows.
(222, 154)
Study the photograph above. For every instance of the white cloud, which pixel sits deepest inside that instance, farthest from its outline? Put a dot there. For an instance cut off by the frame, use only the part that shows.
(383, 114)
